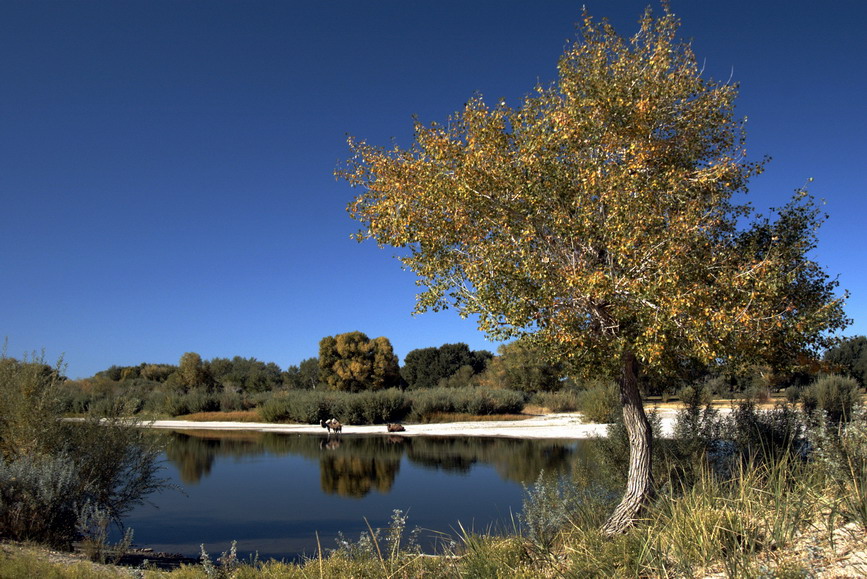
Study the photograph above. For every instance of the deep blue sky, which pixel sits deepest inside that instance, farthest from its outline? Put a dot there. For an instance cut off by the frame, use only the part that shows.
(166, 167)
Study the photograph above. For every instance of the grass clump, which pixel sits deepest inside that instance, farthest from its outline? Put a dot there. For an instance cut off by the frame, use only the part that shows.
(835, 397)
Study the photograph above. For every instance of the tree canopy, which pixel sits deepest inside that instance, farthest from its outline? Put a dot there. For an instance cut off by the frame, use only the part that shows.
(521, 366)
(602, 217)
(850, 358)
(353, 362)
(426, 367)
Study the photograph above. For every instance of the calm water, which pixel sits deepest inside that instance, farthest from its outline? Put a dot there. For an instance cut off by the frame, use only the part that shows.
(273, 492)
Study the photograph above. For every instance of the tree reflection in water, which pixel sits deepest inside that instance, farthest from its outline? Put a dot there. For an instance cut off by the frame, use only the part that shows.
(353, 466)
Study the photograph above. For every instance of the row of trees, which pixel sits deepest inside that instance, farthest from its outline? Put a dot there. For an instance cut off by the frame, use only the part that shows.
(352, 362)
(237, 374)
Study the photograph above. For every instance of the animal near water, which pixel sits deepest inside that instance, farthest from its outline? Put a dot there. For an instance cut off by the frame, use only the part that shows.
(332, 424)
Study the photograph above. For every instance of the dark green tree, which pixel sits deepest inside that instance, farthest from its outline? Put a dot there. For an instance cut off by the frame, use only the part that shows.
(427, 367)
(304, 376)
(520, 365)
(849, 357)
(245, 374)
(421, 368)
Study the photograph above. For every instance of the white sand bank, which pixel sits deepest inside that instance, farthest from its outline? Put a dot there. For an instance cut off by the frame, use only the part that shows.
(564, 425)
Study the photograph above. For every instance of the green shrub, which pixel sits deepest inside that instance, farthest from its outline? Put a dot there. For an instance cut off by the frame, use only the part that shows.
(49, 469)
(562, 401)
(506, 401)
(431, 401)
(545, 513)
(764, 436)
(695, 396)
(842, 452)
(301, 406)
(600, 402)
(470, 400)
(696, 431)
(198, 400)
(835, 396)
(384, 406)
(392, 405)
(757, 392)
(93, 528)
(39, 498)
(793, 394)
(109, 465)
(173, 405)
(233, 401)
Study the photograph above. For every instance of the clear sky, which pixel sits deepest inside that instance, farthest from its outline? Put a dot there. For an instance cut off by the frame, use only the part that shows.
(166, 167)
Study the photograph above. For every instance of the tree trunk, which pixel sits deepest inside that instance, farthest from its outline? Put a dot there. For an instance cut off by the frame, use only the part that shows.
(639, 484)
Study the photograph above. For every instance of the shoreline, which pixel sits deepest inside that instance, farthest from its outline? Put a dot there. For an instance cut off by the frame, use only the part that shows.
(565, 425)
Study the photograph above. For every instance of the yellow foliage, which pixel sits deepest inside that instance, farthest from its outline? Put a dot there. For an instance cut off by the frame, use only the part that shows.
(599, 214)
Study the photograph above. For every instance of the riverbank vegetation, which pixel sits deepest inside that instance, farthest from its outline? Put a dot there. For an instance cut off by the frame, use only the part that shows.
(737, 493)
(62, 482)
(770, 493)
(599, 224)
(436, 383)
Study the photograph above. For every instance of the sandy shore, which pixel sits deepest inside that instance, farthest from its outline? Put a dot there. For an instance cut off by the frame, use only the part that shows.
(564, 425)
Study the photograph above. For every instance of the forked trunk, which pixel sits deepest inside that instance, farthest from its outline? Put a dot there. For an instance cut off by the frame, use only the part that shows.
(639, 484)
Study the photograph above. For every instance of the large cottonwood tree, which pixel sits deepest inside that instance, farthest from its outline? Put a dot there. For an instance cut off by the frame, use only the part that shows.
(600, 217)
(352, 362)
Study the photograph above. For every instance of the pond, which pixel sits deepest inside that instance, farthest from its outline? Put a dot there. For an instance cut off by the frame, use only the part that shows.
(274, 493)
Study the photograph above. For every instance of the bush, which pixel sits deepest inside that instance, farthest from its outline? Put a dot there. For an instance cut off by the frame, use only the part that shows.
(110, 466)
(835, 396)
(793, 394)
(432, 401)
(695, 396)
(392, 405)
(39, 498)
(562, 401)
(842, 452)
(49, 469)
(696, 427)
(478, 401)
(384, 406)
(545, 512)
(600, 402)
(303, 406)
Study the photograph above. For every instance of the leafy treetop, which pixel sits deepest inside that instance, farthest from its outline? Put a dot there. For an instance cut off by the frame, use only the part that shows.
(600, 215)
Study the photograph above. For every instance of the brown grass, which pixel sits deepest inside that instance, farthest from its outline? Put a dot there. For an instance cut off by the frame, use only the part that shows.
(443, 417)
(675, 404)
(236, 416)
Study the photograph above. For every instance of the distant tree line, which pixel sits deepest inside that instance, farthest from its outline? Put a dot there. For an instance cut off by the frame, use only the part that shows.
(354, 363)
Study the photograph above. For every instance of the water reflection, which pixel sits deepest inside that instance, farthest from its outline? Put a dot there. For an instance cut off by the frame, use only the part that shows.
(354, 466)
(282, 495)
